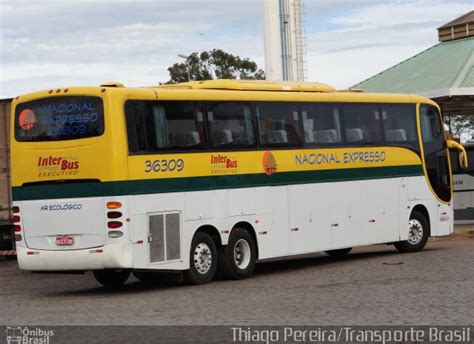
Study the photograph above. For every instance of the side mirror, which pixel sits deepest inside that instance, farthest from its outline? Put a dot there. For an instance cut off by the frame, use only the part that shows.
(463, 163)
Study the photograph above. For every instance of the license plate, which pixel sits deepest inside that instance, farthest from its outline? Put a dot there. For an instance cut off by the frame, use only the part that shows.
(64, 240)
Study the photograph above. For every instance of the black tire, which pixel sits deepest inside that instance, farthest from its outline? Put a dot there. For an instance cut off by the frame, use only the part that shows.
(240, 248)
(111, 278)
(419, 240)
(202, 260)
(339, 253)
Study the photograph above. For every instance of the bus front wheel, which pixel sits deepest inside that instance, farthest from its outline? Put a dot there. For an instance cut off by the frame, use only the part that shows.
(237, 258)
(202, 259)
(418, 234)
(111, 278)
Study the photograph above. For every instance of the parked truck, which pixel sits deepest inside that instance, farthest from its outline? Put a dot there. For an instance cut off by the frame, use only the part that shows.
(7, 242)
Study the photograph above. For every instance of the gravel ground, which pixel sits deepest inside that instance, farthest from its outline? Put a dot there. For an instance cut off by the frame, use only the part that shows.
(374, 285)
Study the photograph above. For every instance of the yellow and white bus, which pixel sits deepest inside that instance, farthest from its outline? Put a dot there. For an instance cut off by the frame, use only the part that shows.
(216, 175)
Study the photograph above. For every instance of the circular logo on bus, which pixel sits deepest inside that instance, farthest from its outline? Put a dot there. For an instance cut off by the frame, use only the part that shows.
(27, 119)
(269, 163)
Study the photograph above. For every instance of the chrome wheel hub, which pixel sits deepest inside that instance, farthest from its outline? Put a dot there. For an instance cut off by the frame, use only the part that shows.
(242, 254)
(202, 258)
(415, 231)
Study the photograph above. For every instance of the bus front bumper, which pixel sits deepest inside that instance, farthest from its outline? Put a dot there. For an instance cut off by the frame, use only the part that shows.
(111, 256)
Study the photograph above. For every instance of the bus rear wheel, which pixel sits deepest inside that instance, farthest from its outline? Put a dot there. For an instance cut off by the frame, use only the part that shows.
(418, 234)
(111, 278)
(237, 258)
(339, 253)
(202, 259)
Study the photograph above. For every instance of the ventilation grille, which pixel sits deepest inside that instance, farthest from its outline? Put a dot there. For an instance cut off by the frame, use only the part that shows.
(172, 236)
(164, 230)
(157, 244)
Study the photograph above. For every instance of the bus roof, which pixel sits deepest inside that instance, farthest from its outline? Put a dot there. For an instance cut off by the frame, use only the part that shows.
(253, 85)
(257, 90)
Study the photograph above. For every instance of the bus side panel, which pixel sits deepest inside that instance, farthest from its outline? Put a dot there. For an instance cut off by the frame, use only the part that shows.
(445, 219)
(275, 242)
(144, 206)
(139, 237)
(310, 228)
(199, 205)
(267, 212)
(382, 215)
(463, 185)
(419, 192)
(362, 213)
(348, 228)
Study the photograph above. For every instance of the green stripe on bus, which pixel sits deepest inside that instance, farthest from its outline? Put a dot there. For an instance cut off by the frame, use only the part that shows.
(152, 186)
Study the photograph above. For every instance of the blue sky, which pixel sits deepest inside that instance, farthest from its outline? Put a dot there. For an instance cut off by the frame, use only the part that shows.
(47, 44)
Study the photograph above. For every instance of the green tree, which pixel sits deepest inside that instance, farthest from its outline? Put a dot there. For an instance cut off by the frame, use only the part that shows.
(214, 64)
(458, 125)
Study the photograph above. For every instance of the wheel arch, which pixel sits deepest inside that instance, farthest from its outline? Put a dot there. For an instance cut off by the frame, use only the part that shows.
(213, 233)
(424, 211)
(249, 228)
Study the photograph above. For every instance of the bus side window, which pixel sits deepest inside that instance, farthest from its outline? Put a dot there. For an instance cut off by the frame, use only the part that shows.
(141, 136)
(322, 125)
(279, 124)
(164, 126)
(362, 124)
(399, 125)
(230, 125)
(185, 125)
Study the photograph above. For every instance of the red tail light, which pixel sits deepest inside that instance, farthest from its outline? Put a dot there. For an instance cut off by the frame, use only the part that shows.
(16, 219)
(16, 209)
(114, 214)
(17, 228)
(114, 224)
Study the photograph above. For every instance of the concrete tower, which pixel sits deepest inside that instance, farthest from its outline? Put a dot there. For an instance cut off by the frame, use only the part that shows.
(283, 39)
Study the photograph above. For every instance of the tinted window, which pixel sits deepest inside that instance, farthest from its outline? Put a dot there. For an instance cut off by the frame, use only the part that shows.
(399, 124)
(322, 125)
(362, 124)
(230, 125)
(164, 126)
(59, 118)
(279, 124)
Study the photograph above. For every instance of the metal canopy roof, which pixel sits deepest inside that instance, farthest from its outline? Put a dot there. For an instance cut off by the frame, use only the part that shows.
(443, 66)
(444, 72)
